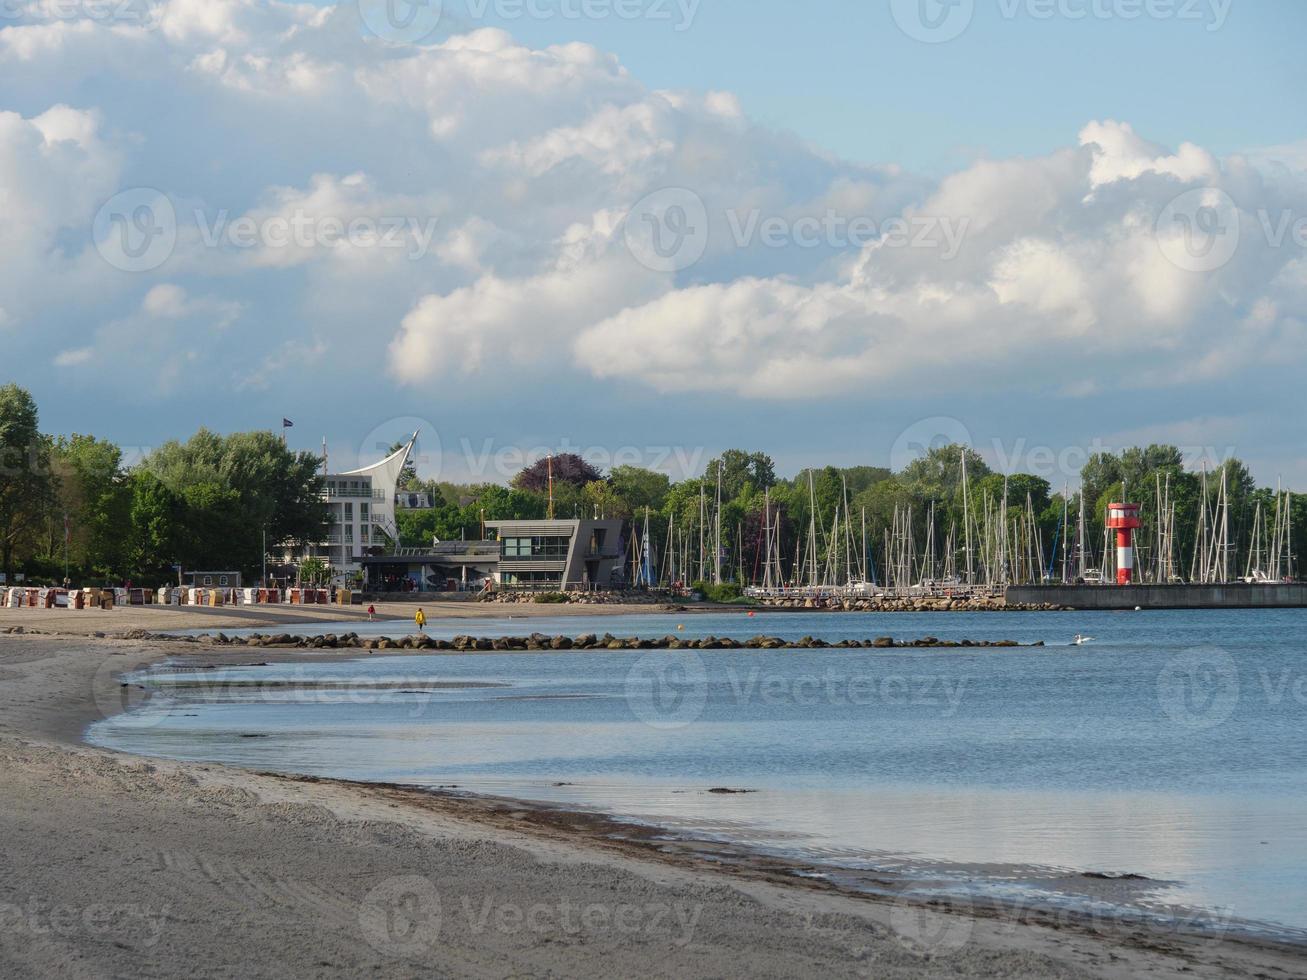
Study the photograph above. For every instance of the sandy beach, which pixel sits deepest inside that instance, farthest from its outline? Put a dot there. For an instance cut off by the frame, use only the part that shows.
(114, 865)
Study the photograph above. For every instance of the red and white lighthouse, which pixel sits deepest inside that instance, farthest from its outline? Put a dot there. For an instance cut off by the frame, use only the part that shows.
(1124, 520)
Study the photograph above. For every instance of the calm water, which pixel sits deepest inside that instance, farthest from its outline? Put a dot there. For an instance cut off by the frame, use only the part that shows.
(1173, 746)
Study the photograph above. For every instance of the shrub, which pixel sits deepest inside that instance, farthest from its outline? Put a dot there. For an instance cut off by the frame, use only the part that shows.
(551, 599)
(726, 592)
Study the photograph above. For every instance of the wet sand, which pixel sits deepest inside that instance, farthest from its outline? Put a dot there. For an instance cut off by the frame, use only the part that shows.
(117, 865)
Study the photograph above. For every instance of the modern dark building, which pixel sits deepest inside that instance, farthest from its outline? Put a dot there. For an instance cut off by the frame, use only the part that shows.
(556, 554)
(538, 555)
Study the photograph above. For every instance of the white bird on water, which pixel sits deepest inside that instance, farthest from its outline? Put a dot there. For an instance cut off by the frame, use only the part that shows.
(1081, 640)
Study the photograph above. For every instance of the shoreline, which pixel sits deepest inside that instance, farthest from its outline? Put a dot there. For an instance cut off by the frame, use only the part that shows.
(46, 712)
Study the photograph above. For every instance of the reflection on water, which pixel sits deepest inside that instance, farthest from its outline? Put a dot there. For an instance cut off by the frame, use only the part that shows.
(1173, 747)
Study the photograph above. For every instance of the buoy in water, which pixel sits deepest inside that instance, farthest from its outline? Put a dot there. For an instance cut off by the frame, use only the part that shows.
(679, 626)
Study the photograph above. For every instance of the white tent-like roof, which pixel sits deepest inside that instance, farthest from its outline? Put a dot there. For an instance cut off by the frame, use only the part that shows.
(385, 474)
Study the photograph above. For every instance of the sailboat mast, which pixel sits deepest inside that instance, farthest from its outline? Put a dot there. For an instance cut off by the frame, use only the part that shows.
(717, 531)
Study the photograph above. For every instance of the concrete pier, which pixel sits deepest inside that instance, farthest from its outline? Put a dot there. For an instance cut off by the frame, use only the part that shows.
(1229, 596)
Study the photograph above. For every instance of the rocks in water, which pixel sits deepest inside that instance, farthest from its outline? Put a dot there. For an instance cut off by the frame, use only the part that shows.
(910, 604)
(541, 643)
(579, 598)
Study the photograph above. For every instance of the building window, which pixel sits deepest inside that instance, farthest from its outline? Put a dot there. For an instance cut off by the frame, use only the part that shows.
(349, 532)
(536, 548)
(349, 513)
(363, 513)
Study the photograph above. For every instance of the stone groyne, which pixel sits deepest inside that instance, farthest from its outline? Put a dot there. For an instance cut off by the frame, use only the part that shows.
(540, 642)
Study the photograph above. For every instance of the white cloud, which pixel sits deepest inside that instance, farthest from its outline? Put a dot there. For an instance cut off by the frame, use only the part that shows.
(1120, 154)
(526, 161)
(1060, 279)
(73, 357)
(54, 169)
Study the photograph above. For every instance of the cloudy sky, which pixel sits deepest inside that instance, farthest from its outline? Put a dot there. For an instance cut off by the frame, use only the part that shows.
(647, 230)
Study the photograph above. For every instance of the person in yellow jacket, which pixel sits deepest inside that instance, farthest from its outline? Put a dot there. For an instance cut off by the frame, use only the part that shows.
(421, 619)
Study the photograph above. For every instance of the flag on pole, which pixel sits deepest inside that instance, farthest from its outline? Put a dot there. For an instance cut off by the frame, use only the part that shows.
(287, 424)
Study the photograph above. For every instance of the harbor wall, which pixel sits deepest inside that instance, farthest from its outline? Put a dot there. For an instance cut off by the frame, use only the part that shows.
(1236, 595)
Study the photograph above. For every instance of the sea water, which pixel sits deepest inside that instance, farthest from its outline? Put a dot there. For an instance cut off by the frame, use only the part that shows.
(1172, 746)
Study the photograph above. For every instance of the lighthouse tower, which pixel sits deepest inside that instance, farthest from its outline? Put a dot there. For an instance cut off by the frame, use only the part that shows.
(1124, 520)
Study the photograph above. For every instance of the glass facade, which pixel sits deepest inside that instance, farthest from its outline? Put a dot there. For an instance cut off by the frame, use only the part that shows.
(535, 548)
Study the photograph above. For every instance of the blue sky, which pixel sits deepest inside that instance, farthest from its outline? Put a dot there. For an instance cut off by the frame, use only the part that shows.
(1045, 294)
(843, 74)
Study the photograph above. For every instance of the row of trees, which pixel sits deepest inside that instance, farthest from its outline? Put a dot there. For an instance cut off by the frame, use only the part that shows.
(930, 484)
(69, 503)
(212, 501)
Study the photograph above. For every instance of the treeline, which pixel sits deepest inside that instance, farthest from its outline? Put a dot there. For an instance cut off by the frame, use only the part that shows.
(209, 502)
(932, 484)
(69, 502)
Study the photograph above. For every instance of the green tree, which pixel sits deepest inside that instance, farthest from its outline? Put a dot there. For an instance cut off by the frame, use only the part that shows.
(738, 469)
(235, 488)
(97, 499)
(158, 518)
(640, 488)
(25, 480)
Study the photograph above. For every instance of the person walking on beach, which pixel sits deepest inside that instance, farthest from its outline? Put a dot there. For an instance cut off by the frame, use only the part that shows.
(372, 612)
(421, 619)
